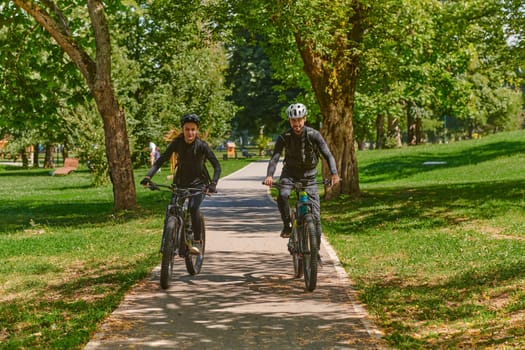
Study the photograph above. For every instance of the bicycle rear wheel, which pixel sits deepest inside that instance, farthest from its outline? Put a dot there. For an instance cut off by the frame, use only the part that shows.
(167, 248)
(194, 262)
(310, 251)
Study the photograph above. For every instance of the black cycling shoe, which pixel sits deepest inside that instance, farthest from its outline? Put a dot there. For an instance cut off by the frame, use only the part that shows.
(287, 230)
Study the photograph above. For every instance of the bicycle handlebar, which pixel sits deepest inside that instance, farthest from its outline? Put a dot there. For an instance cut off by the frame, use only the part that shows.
(193, 191)
(298, 185)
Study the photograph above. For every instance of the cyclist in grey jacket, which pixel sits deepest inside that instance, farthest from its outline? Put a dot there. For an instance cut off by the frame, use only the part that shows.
(192, 154)
(303, 146)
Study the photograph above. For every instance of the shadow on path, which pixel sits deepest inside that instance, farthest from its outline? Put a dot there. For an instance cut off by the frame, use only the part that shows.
(245, 296)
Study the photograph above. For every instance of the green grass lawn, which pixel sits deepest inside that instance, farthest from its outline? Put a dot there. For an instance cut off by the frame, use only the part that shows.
(66, 259)
(435, 251)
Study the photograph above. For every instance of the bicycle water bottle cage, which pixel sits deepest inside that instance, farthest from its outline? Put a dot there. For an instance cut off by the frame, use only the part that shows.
(303, 203)
(303, 197)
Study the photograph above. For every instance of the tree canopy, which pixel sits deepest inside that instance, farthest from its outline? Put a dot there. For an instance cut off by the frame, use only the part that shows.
(369, 71)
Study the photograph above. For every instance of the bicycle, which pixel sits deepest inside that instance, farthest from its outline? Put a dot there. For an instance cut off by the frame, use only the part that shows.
(177, 234)
(304, 242)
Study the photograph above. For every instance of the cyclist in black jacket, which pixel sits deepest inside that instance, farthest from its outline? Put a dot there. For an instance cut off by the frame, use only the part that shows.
(303, 147)
(192, 154)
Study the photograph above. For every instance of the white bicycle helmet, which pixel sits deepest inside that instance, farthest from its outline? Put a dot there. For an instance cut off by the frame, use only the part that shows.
(296, 110)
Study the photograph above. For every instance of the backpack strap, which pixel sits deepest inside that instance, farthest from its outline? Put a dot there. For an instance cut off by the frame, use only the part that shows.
(304, 141)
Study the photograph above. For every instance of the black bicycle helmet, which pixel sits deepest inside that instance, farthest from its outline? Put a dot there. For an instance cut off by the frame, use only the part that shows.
(194, 118)
(296, 110)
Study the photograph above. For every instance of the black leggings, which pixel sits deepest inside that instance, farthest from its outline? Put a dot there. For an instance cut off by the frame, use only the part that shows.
(284, 194)
(194, 205)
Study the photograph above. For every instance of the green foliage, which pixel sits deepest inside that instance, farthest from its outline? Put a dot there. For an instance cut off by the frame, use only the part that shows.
(460, 59)
(262, 44)
(37, 81)
(262, 143)
(253, 87)
(165, 64)
(179, 69)
(445, 57)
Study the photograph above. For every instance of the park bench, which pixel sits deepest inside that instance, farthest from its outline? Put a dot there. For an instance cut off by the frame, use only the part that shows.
(247, 154)
(70, 165)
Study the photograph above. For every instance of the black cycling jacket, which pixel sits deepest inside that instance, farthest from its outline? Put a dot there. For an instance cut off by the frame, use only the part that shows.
(295, 163)
(191, 158)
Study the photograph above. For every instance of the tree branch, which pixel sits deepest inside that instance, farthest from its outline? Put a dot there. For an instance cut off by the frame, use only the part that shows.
(102, 40)
(59, 14)
(81, 59)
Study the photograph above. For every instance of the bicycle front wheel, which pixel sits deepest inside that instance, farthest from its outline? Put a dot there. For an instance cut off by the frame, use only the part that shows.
(167, 248)
(310, 251)
(194, 262)
(297, 265)
(294, 250)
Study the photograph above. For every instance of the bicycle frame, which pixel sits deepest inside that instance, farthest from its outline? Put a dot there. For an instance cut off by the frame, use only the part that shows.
(304, 241)
(176, 239)
(179, 210)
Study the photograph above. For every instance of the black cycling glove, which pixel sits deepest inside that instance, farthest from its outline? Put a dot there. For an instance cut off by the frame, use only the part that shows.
(212, 187)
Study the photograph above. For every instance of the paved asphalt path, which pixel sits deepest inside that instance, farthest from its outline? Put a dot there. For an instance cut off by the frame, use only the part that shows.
(245, 296)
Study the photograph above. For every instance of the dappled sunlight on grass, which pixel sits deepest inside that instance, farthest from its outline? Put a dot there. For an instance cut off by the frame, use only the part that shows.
(67, 257)
(466, 158)
(65, 281)
(437, 251)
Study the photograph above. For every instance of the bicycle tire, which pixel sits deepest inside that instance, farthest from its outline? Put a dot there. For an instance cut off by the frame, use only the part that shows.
(310, 251)
(297, 265)
(296, 255)
(166, 266)
(194, 262)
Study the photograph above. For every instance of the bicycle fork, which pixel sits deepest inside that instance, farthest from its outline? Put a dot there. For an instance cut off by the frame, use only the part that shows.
(293, 241)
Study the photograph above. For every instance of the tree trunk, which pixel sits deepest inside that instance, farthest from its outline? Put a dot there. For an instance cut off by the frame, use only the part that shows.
(411, 125)
(117, 150)
(337, 129)
(98, 77)
(380, 131)
(339, 134)
(415, 124)
(25, 159)
(65, 150)
(419, 131)
(36, 154)
(115, 131)
(394, 132)
(49, 160)
(334, 78)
